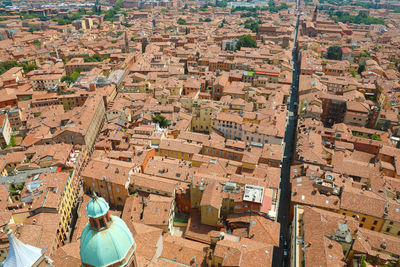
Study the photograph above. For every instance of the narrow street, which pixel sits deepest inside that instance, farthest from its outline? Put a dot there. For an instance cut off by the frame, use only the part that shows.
(279, 259)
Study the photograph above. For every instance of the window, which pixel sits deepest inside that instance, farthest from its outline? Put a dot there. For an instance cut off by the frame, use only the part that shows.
(398, 233)
(388, 229)
(391, 223)
(102, 224)
(361, 225)
(363, 219)
(373, 228)
(117, 189)
(375, 222)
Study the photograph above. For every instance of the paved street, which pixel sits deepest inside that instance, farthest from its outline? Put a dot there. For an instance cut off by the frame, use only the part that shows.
(284, 202)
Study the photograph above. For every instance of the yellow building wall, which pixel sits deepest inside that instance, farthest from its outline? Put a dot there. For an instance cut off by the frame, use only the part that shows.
(4, 172)
(195, 196)
(214, 261)
(115, 194)
(68, 103)
(202, 120)
(365, 221)
(228, 205)
(175, 154)
(391, 228)
(19, 217)
(67, 203)
(209, 215)
(250, 121)
(196, 163)
(248, 166)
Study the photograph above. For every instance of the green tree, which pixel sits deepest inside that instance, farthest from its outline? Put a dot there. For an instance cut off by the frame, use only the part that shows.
(361, 18)
(16, 188)
(95, 58)
(252, 24)
(271, 3)
(28, 66)
(334, 52)
(246, 41)
(36, 42)
(43, 18)
(376, 137)
(118, 5)
(161, 120)
(34, 29)
(6, 65)
(76, 16)
(132, 39)
(181, 21)
(12, 143)
(207, 20)
(63, 21)
(222, 3)
(68, 79)
(352, 72)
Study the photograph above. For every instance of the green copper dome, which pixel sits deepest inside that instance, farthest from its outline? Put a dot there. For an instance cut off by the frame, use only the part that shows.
(97, 207)
(107, 245)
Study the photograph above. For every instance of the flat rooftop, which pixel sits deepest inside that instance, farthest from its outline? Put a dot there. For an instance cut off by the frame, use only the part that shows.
(253, 193)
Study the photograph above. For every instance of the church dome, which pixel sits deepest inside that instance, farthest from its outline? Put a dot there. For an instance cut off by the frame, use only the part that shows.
(108, 241)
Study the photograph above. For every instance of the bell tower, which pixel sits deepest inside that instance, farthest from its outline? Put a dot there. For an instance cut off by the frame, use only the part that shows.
(315, 15)
(126, 47)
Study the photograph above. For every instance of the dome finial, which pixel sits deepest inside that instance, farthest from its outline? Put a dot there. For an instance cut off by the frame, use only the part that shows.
(94, 196)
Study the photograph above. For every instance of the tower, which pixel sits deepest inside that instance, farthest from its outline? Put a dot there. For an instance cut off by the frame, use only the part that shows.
(144, 44)
(106, 240)
(126, 48)
(315, 15)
